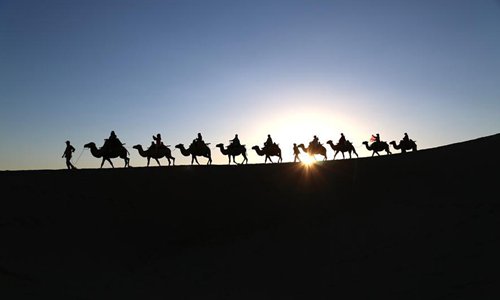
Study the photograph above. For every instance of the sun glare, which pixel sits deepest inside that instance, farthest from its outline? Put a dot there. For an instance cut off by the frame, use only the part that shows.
(308, 160)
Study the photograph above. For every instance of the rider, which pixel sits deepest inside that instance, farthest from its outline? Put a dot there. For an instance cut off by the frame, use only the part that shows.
(235, 142)
(314, 143)
(406, 139)
(113, 140)
(342, 140)
(375, 138)
(199, 140)
(268, 142)
(157, 141)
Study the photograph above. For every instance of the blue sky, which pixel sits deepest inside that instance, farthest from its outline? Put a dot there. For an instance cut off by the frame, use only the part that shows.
(75, 70)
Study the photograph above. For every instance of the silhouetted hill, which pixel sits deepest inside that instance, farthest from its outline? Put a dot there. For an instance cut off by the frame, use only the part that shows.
(418, 226)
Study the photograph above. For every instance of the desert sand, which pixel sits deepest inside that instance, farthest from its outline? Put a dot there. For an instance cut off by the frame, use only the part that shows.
(421, 225)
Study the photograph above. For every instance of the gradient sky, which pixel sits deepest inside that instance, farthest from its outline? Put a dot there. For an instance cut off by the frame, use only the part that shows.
(75, 70)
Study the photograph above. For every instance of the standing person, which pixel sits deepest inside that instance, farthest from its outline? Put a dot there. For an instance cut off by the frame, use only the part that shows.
(68, 153)
(296, 153)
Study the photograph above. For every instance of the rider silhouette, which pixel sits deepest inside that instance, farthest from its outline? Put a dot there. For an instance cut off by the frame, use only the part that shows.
(406, 139)
(268, 142)
(342, 140)
(375, 138)
(314, 143)
(235, 142)
(157, 140)
(68, 152)
(199, 140)
(113, 141)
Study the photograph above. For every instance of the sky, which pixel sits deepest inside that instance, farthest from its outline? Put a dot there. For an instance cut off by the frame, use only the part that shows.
(76, 70)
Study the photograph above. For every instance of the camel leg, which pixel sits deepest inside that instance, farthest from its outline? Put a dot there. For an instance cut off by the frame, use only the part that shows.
(148, 162)
(270, 159)
(158, 162)
(110, 162)
(102, 162)
(173, 160)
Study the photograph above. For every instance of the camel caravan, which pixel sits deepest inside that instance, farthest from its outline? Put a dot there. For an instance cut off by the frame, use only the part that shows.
(114, 148)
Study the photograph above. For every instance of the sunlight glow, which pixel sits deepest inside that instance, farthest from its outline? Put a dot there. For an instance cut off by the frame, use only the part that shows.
(308, 160)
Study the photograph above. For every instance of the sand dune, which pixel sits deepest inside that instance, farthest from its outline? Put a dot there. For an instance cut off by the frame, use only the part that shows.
(418, 226)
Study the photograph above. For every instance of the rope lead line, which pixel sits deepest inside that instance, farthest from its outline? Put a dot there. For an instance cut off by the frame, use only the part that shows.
(81, 152)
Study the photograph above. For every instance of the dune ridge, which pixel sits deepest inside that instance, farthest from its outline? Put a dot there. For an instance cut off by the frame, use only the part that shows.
(413, 226)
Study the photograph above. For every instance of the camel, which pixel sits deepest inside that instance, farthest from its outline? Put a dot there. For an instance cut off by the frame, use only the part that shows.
(347, 147)
(273, 150)
(320, 149)
(404, 146)
(107, 153)
(194, 151)
(376, 147)
(156, 154)
(233, 152)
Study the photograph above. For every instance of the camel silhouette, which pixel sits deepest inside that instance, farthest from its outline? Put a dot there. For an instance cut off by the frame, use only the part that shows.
(152, 152)
(107, 153)
(233, 152)
(272, 150)
(320, 149)
(405, 146)
(376, 147)
(346, 147)
(196, 150)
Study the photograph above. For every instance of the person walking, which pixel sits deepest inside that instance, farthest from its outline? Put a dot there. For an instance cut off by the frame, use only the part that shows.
(68, 153)
(296, 153)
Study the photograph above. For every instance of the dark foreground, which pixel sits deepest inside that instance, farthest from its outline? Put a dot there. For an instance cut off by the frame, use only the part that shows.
(419, 226)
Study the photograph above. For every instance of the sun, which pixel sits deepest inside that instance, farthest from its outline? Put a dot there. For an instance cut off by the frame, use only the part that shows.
(308, 160)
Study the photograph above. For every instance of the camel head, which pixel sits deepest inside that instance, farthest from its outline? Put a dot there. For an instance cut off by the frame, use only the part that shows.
(365, 143)
(301, 146)
(221, 145)
(255, 148)
(90, 145)
(137, 147)
(393, 143)
(180, 146)
(329, 142)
